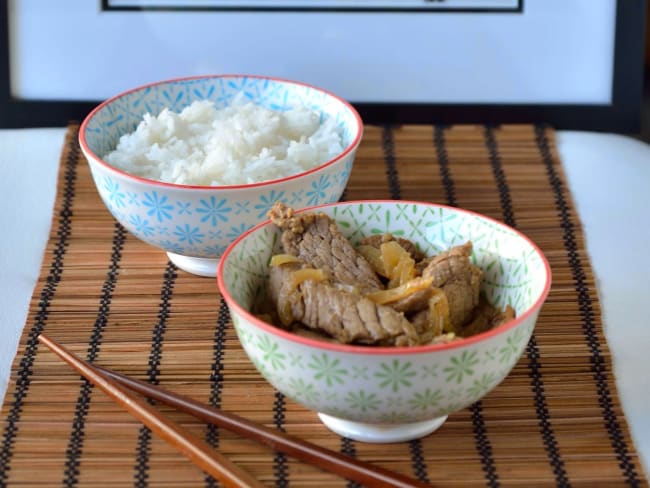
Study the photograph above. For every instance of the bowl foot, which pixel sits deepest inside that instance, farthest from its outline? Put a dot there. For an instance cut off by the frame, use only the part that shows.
(381, 433)
(197, 266)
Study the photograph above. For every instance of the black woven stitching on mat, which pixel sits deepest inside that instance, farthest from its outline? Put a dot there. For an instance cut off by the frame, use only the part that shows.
(500, 177)
(598, 365)
(76, 440)
(216, 378)
(419, 463)
(482, 442)
(443, 162)
(349, 449)
(143, 449)
(48, 292)
(280, 467)
(388, 145)
(532, 351)
(483, 445)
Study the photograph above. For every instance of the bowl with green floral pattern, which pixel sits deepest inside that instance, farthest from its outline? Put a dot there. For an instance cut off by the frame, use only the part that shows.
(328, 335)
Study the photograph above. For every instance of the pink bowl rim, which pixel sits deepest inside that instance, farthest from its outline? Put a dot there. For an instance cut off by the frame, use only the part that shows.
(91, 154)
(387, 350)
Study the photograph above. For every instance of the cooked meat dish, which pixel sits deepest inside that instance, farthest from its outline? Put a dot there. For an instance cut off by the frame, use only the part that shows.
(315, 239)
(342, 314)
(453, 272)
(383, 292)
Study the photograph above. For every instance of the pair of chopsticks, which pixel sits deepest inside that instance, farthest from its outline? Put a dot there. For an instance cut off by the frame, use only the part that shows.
(117, 386)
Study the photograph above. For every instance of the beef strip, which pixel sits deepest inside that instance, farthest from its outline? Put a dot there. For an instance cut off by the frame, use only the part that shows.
(421, 265)
(422, 324)
(347, 317)
(378, 239)
(459, 279)
(486, 316)
(316, 239)
(414, 302)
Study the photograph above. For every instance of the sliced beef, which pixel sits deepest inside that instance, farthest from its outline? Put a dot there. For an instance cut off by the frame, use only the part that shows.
(453, 272)
(378, 239)
(414, 302)
(486, 316)
(422, 264)
(347, 317)
(315, 239)
(422, 322)
(428, 335)
(332, 290)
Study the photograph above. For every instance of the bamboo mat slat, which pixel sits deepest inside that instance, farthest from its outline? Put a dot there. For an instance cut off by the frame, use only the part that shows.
(555, 421)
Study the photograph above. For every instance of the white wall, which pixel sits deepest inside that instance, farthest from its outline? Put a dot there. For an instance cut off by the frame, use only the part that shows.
(556, 51)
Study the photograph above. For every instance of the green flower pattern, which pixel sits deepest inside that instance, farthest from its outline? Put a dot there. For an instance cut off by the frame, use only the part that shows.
(481, 385)
(362, 401)
(306, 392)
(461, 366)
(395, 375)
(393, 389)
(271, 352)
(328, 369)
(428, 398)
(466, 375)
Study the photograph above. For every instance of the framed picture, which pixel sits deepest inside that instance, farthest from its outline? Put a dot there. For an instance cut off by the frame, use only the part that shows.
(573, 65)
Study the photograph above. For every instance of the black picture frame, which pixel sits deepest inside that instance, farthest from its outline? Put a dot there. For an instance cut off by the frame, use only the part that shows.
(429, 5)
(622, 115)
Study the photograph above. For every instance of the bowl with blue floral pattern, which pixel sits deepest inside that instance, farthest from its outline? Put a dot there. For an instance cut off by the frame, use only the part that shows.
(194, 223)
(390, 393)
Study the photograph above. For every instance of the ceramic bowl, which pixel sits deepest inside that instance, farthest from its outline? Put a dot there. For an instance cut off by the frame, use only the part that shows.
(195, 224)
(390, 394)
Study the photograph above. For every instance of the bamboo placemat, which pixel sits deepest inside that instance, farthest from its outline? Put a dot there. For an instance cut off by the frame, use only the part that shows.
(555, 421)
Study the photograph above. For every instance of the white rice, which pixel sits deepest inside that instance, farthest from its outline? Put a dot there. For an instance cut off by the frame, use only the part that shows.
(243, 143)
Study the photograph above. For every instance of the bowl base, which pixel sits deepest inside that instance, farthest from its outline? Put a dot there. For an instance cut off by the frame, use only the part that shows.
(381, 433)
(196, 266)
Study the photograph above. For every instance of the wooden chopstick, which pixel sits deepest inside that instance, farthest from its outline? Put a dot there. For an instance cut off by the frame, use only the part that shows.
(197, 450)
(345, 466)
(352, 469)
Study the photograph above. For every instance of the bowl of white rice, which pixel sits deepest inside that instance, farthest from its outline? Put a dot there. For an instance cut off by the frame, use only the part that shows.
(187, 165)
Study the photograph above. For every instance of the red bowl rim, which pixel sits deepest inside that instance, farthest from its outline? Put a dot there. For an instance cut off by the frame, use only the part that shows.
(387, 350)
(91, 154)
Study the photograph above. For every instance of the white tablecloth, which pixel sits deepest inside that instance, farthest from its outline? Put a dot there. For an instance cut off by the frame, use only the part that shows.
(608, 175)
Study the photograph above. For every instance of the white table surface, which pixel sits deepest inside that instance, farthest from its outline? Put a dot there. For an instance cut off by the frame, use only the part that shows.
(608, 176)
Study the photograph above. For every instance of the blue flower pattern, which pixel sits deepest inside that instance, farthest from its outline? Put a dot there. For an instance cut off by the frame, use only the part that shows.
(203, 226)
(191, 235)
(267, 202)
(141, 225)
(157, 205)
(213, 211)
(318, 190)
(242, 207)
(115, 196)
(184, 207)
